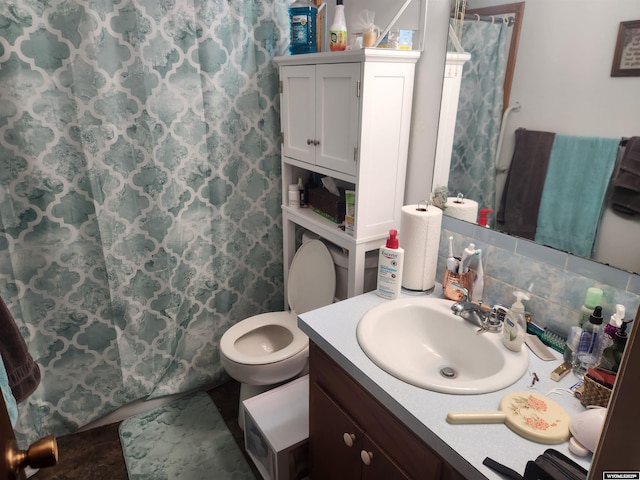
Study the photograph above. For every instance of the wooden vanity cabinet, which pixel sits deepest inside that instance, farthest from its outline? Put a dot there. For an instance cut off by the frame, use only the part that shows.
(352, 436)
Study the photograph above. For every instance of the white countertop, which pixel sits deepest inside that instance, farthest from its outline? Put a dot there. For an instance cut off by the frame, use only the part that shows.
(333, 328)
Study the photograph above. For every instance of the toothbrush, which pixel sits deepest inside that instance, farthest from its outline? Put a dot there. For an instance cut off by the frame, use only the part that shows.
(452, 263)
(478, 285)
(466, 258)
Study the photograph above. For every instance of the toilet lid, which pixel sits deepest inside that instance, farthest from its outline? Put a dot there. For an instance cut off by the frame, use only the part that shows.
(312, 278)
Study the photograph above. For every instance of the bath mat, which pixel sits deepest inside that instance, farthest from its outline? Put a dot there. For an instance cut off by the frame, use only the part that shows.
(183, 440)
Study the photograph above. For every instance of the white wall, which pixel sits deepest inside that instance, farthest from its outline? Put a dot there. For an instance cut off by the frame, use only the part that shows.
(563, 83)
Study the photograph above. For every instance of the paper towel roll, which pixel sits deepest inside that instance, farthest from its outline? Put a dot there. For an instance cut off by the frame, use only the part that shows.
(420, 238)
(467, 210)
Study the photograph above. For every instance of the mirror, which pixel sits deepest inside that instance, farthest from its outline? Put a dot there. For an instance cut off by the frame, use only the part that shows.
(562, 83)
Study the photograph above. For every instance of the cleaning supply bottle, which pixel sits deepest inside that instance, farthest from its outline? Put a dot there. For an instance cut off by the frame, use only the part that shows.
(612, 355)
(588, 346)
(390, 263)
(302, 25)
(593, 299)
(338, 30)
(515, 324)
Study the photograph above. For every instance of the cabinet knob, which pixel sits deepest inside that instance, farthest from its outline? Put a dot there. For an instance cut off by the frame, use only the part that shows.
(309, 141)
(316, 142)
(349, 438)
(366, 457)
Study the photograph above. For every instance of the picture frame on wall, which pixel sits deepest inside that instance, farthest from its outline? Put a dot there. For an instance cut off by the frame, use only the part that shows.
(626, 59)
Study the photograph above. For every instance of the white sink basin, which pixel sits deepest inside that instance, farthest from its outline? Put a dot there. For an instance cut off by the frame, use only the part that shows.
(420, 341)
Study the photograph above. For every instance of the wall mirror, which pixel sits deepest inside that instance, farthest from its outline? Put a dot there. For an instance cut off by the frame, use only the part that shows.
(561, 84)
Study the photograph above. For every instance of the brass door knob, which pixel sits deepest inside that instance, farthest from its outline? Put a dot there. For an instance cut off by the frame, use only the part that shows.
(41, 454)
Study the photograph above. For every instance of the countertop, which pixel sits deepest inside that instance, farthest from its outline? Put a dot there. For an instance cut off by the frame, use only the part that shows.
(333, 328)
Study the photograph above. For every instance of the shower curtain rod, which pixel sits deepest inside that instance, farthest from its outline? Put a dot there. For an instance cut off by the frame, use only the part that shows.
(470, 17)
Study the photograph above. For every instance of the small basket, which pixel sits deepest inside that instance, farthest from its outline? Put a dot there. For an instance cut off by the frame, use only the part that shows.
(594, 393)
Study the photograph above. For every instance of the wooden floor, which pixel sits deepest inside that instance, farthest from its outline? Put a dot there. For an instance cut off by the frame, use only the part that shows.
(97, 455)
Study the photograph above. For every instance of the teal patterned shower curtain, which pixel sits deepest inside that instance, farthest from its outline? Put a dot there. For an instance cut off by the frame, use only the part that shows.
(139, 192)
(479, 117)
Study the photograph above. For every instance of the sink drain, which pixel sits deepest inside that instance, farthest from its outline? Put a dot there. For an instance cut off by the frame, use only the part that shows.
(448, 372)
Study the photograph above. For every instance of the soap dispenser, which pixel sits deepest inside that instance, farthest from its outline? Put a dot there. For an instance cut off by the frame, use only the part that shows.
(515, 325)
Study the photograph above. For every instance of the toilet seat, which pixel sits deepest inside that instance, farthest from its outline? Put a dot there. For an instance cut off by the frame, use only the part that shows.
(272, 337)
(263, 351)
(312, 278)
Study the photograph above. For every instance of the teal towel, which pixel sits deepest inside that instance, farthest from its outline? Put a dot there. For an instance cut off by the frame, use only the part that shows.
(578, 175)
(9, 400)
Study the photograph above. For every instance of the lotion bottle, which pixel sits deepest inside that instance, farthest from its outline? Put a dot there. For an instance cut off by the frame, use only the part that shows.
(515, 325)
(390, 262)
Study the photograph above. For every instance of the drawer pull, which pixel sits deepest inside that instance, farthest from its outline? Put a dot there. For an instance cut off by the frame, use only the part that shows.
(366, 457)
(349, 438)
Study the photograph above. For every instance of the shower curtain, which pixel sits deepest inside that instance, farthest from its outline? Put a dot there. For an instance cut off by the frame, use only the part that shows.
(139, 193)
(479, 116)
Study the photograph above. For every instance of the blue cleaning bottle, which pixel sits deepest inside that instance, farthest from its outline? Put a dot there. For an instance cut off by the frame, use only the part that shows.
(302, 24)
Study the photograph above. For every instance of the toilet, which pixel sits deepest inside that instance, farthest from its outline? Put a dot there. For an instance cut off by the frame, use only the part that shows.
(269, 349)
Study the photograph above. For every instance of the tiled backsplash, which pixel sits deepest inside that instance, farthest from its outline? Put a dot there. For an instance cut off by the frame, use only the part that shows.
(557, 282)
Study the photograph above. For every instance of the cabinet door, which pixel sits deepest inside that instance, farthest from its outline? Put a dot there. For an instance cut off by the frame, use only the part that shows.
(377, 465)
(335, 440)
(298, 112)
(338, 116)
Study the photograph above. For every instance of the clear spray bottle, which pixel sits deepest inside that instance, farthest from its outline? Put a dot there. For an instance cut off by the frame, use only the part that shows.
(588, 347)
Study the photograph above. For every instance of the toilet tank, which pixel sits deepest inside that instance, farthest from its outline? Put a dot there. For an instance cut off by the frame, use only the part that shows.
(341, 262)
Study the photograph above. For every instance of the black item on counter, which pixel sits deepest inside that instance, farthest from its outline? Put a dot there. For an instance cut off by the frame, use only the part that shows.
(551, 465)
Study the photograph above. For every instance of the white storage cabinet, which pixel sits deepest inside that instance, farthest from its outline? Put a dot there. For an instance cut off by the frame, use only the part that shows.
(347, 115)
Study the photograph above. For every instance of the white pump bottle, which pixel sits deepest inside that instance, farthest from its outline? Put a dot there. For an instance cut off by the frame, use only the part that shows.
(515, 324)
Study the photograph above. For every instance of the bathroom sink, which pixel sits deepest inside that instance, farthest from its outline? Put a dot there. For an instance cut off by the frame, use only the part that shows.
(420, 341)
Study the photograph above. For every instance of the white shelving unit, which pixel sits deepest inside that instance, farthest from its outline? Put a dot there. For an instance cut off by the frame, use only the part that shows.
(347, 115)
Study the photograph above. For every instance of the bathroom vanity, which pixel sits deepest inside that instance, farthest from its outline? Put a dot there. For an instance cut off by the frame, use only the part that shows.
(365, 423)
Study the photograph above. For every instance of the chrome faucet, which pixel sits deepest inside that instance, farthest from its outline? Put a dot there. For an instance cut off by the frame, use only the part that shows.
(488, 319)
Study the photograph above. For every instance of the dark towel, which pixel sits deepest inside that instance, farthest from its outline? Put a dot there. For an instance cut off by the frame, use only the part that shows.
(625, 197)
(518, 212)
(23, 372)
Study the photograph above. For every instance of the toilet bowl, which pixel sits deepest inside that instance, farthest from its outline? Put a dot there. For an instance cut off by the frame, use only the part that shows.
(268, 349)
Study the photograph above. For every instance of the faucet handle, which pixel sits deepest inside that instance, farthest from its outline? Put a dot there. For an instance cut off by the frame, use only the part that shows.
(465, 292)
(498, 312)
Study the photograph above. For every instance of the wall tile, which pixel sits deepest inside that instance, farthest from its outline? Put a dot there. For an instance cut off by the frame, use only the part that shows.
(557, 282)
